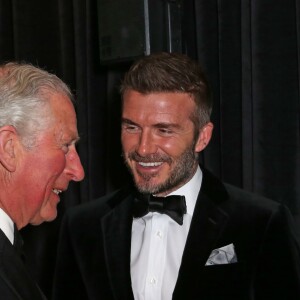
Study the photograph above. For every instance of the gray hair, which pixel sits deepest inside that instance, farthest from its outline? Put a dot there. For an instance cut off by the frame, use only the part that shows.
(24, 99)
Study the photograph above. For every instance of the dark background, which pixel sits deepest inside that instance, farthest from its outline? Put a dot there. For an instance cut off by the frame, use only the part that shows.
(250, 52)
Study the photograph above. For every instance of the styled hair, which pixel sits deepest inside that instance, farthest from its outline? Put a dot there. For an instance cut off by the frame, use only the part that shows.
(171, 72)
(25, 91)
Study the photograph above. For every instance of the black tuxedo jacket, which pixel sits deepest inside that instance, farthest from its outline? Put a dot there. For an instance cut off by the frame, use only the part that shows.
(94, 250)
(15, 281)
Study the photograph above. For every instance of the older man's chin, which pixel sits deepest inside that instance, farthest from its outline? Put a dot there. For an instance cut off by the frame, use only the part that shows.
(45, 216)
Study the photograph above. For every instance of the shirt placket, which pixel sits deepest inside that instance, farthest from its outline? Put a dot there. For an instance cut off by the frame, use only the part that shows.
(157, 258)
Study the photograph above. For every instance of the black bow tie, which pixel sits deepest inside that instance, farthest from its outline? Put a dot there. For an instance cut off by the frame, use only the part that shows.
(174, 206)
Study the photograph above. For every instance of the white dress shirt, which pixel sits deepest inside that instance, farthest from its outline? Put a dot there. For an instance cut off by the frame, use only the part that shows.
(7, 225)
(157, 245)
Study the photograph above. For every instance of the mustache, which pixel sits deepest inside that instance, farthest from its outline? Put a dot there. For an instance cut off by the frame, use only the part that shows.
(149, 158)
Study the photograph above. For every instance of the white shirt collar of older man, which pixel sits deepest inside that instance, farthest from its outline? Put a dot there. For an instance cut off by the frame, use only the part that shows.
(7, 225)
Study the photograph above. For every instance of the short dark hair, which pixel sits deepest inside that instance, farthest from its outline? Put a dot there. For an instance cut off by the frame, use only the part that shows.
(171, 72)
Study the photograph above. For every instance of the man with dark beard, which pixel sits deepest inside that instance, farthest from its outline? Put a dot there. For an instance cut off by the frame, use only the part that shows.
(179, 233)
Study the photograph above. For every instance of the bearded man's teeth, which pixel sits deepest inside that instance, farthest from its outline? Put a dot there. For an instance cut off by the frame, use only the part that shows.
(150, 164)
(56, 191)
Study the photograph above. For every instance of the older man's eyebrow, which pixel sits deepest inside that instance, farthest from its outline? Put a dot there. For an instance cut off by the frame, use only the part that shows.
(74, 139)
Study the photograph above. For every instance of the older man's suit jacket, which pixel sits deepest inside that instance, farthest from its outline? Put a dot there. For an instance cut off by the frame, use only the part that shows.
(94, 250)
(15, 281)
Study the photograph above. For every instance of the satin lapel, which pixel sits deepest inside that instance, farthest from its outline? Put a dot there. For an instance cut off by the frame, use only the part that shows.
(207, 225)
(117, 240)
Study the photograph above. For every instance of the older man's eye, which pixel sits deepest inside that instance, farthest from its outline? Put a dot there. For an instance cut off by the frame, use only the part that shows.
(66, 148)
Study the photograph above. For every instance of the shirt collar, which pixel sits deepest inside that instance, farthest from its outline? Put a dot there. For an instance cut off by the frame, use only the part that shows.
(191, 190)
(7, 225)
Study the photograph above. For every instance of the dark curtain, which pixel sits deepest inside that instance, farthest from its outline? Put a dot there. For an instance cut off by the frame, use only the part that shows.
(250, 52)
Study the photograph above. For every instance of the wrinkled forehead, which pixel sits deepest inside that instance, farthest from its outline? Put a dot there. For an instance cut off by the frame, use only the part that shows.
(64, 115)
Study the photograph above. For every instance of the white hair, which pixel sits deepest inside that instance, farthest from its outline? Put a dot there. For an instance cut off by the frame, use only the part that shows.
(25, 91)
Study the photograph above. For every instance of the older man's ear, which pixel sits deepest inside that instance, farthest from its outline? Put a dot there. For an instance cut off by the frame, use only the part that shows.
(8, 143)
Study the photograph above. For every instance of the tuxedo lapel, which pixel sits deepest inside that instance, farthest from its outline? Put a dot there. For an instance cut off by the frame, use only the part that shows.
(117, 240)
(207, 225)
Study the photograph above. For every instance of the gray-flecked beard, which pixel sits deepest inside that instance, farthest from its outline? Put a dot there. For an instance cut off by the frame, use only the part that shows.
(183, 169)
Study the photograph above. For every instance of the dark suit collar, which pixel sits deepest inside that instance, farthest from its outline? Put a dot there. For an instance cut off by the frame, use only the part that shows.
(116, 226)
(208, 222)
(14, 273)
